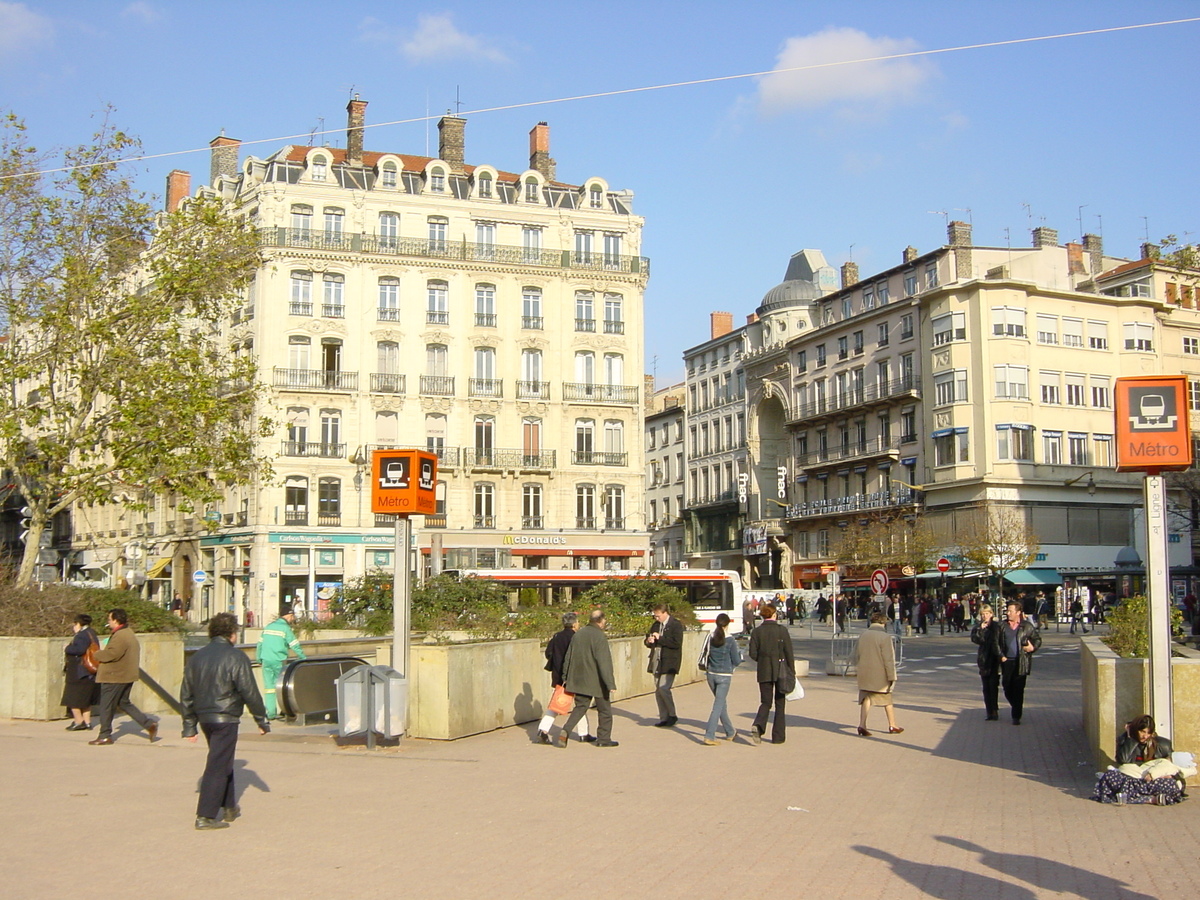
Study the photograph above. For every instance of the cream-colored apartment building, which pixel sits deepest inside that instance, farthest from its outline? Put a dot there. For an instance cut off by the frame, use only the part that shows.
(493, 316)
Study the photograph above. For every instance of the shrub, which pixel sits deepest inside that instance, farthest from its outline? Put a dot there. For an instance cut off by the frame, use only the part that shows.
(31, 612)
(1129, 627)
(627, 603)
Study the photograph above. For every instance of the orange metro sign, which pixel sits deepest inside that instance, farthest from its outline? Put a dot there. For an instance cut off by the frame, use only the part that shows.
(403, 482)
(1152, 430)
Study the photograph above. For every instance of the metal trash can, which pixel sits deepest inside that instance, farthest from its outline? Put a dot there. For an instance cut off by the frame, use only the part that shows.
(372, 699)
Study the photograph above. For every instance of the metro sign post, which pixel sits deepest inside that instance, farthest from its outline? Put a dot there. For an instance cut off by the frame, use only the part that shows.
(1153, 436)
(403, 484)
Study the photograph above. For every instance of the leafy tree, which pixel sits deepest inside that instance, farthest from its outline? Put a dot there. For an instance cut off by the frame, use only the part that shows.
(627, 602)
(1000, 541)
(112, 384)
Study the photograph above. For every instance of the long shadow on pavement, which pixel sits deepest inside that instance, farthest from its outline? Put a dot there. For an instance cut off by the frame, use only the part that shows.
(945, 881)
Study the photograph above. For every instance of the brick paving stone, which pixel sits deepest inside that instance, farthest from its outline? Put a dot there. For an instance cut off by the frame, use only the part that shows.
(954, 807)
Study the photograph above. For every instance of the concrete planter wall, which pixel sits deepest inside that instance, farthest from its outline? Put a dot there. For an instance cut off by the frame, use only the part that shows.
(1115, 690)
(463, 689)
(33, 675)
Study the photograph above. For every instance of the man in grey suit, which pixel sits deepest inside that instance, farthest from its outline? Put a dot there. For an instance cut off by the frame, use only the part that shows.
(771, 648)
(588, 674)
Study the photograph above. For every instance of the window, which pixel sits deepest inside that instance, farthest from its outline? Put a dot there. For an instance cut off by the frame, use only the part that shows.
(485, 305)
(1101, 395)
(910, 284)
(585, 506)
(614, 369)
(531, 440)
(1008, 321)
(1097, 335)
(906, 326)
(614, 437)
(614, 506)
(531, 243)
(301, 304)
(387, 357)
(436, 359)
(485, 363)
(484, 185)
(531, 308)
(1077, 444)
(802, 361)
(1012, 382)
(931, 276)
(531, 369)
(485, 240)
(437, 303)
(437, 180)
(485, 505)
(297, 429)
(847, 307)
(302, 217)
(389, 300)
(883, 376)
(389, 230)
(484, 432)
(950, 387)
(531, 506)
(331, 427)
(387, 176)
(585, 367)
(1076, 393)
(1102, 450)
(1051, 383)
(883, 334)
(585, 439)
(334, 218)
(1193, 394)
(583, 247)
(612, 251)
(1014, 442)
(843, 345)
(437, 233)
(1047, 329)
(1052, 447)
(595, 196)
(1139, 336)
(908, 426)
(943, 448)
(333, 304)
(1191, 346)
(868, 297)
(1072, 332)
(329, 500)
(320, 168)
(820, 355)
(585, 311)
(950, 327)
(298, 351)
(857, 339)
(531, 190)
(613, 322)
(295, 500)
(435, 432)
(881, 291)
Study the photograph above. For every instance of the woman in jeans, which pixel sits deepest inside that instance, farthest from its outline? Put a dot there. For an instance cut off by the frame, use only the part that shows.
(723, 658)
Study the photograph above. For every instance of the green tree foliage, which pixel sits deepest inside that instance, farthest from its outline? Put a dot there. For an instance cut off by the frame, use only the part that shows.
(440, 604)
(627, 603)
(1129, 627)
(29, 612)
(112, 384)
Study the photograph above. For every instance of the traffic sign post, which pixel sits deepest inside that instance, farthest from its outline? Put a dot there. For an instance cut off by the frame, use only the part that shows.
(199, 576)
(879, 581)
(943, 566)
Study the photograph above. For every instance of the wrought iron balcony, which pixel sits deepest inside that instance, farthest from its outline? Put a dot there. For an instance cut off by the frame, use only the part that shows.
(485, 320)
(533, 390)
(534, 323)
(533, 522)
(436, 248)
(437, 317)
(600, 393)
(437, 385)
(599, 458)
(333, 310)
(614, 523)
(447, 456)
(855, 450)
(897, 388)
(387, 314)
(316, 380)
(611, 327)
(585, 324)
(585, 522)
(485, 387)
(476, 458)
(854, 503)
(314, 448)
(300, 308)
(387, 383)
(484, 521)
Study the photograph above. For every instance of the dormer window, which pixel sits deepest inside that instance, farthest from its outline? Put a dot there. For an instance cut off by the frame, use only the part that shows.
(531, 190)
(388, 175)
(320, 169)
(595, 197)
(437, 181)
(485, 185)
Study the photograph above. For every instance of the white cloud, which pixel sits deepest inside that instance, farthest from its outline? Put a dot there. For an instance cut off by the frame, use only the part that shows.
(21, 28)
(148, 13)
(436, 39)
(879, 83)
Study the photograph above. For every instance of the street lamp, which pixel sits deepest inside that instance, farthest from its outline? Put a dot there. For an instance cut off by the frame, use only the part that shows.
(1091, 482)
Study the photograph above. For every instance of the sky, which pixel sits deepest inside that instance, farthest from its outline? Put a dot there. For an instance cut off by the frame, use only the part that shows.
(1091, 133)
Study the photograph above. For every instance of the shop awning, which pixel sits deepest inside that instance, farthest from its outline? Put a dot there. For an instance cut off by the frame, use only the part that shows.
(1033, 576)
(159, 568)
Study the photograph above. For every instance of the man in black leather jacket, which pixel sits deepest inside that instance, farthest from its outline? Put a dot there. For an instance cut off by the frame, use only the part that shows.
(217, 684)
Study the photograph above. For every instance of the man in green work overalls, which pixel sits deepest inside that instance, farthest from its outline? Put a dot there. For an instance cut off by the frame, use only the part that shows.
(273, 648)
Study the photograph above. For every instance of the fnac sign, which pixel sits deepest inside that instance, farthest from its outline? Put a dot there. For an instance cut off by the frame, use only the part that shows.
(403, 482)
(1152, 424)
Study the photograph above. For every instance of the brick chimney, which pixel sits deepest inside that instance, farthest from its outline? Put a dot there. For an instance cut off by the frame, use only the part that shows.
(1044, 237)
(1075, 259)
(179, 187)
(720, 324)
(958, 235)
(1093, 246)
(849, 274)
(1151, 251)
(451, 141)
(539, 151)
(910, 253)
(356, 118)
(224, 158)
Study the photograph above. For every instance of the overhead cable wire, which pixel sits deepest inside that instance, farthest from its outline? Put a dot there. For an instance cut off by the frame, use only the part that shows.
(716, 79)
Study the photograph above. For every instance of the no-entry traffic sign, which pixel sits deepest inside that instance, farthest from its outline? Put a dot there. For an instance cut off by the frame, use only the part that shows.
(943, 565)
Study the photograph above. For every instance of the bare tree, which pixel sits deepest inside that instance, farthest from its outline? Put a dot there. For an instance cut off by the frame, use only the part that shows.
(999, 541)
(882, 540)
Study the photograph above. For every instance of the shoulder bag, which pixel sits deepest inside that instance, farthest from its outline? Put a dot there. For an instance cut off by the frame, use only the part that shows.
(702, 659)
(89, 660)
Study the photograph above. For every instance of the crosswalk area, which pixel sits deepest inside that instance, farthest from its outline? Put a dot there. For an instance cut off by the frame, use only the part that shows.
(915, 664)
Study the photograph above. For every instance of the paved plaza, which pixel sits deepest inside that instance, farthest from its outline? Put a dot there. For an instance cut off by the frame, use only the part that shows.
(955, 807)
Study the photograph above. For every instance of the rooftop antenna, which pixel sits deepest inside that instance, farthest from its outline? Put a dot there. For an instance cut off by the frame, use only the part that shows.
(940, 212)
(851, 252)
(312, 136)
(1080, 216)
(1028, 212)
(654, 366)
(321, 128)
(1146, 227)
(457, 101)
(970, 220)
(1100, 225)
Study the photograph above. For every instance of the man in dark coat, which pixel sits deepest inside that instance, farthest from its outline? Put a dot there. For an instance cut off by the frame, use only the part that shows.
(217, 684)
(1019, 640)
(588, 674)
(665, 640)
(771, 648)
(556, 654)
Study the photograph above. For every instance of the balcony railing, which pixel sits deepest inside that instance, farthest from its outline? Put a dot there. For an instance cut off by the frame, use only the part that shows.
(316, 380)
(304, 238)
(873, 447)
(329, 519)
(485, 387)
(437, 317)
(300, 308)
(387, 383)
(533, 390)
(534, 323)
(333, 310)
(314, 448)
(387, 314)
(872, 393)
(532, 522)
(585, 324)
(585, 521)
(598, 458)
(600, 393)
(485, 320)
(614, 523)
(611, 327)
(484, 521)
(437, 385)
(705, 499)
(474, 457)
(853, 503)
(295, 517)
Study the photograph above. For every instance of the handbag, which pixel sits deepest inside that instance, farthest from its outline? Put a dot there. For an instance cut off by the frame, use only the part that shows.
(702, 659)
(786, 683)
(561, 702)
(88, 660)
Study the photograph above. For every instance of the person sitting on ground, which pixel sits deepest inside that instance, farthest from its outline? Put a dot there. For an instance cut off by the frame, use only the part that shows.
(1145, 772)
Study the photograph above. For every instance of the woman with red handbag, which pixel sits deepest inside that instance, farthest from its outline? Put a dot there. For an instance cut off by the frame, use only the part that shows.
(561, 703)
(80, 692)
